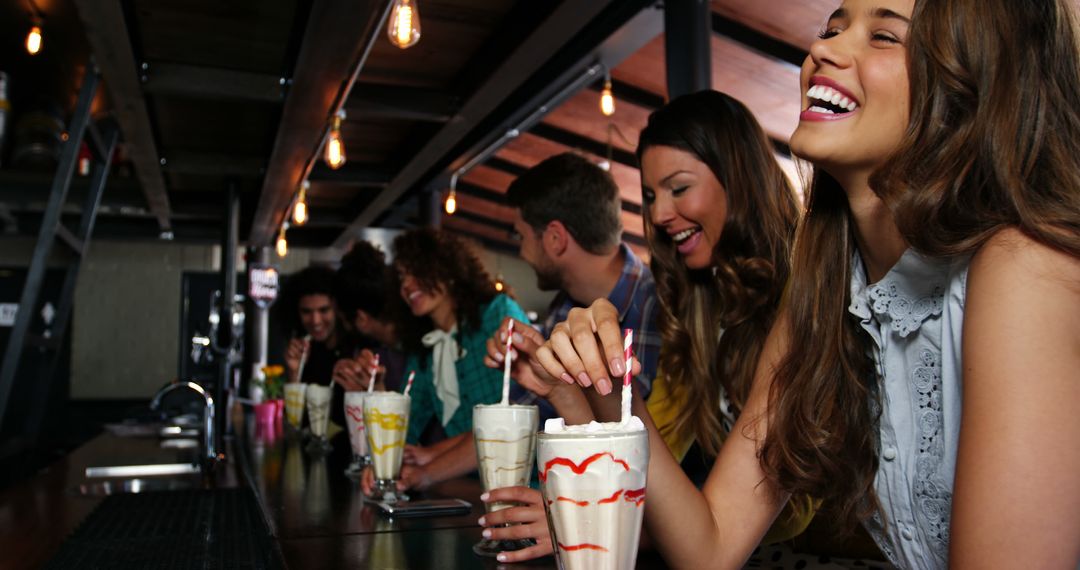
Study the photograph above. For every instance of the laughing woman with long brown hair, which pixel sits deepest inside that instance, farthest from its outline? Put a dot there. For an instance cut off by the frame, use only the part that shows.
(922, 374)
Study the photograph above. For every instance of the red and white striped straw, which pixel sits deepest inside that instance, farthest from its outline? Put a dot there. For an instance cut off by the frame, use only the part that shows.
(628, 354)
(374, 372)
(506, 363)
(408, 385)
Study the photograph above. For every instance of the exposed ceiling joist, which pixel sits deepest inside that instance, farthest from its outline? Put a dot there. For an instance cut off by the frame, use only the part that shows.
(336, 42)
(108, 37)
(351, 174)
(576, 141)
(753, 39)
(565, 22)
(371, 100)
(205, 164)
(212, 83)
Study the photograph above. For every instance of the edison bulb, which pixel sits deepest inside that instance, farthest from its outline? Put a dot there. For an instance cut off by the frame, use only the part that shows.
(451, 203)
(607, 100)
(404, 25)
(282, 246)
(335, 149)
(300, 213)
(33, 40)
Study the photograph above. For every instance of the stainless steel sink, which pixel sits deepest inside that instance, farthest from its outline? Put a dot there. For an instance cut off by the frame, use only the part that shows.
(122, 486)
(149, 470)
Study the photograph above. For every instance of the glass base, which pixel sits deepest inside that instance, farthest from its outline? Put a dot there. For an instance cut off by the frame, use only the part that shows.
(386, 492)
(318, 446)
(491, 548)
(356, 469)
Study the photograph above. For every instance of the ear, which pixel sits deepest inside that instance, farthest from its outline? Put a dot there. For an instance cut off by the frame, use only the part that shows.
(556, 239)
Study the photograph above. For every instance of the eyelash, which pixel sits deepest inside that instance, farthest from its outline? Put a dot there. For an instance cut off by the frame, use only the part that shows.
(832, 32)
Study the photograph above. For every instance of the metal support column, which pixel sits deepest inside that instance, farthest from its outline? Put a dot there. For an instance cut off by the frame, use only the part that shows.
(687, 35)
(101, 143)
(226, 340)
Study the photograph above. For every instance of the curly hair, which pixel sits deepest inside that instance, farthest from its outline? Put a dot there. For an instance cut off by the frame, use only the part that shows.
(361, 281)
(742, 291)
(437, 260)
(312, 280)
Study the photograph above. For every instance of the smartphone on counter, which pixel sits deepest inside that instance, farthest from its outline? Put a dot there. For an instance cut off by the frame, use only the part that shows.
(427, 508)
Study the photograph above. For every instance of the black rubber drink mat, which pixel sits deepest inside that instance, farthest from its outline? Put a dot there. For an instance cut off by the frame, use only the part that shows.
(201, 529)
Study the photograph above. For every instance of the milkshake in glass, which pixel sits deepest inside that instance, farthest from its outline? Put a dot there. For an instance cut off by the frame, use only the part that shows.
(354, 421)
(318, 411)
(386, 420)
(505, 437)
(294, 403)
(593, 481)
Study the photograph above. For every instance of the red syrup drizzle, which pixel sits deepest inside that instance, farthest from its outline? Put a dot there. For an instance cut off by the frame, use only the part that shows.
(576, 468)
(569, 500)
(585, 546)
(355, 413)
(610, 499)
(636, 496)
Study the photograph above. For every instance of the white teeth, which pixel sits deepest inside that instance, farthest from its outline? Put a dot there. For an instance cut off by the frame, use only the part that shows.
(826, 94)
(681, 236)
(817, 109)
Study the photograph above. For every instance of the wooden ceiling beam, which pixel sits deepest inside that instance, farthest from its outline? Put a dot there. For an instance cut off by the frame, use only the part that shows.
(757, 41)
(351, 174)
(107, 34)
(559, 29)
(372, 100)
(336, 43)
(576, 141)
(212, 83)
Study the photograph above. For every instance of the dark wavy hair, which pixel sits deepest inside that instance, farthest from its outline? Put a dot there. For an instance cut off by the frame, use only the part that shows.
(993, 141)
(312, 280)
(361, 281)
(439, 259)
(751, 260)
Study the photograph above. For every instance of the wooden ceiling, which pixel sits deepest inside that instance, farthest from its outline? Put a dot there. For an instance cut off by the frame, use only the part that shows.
(239, 94)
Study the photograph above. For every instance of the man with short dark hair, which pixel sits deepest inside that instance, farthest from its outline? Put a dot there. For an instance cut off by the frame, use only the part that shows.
(567, 214)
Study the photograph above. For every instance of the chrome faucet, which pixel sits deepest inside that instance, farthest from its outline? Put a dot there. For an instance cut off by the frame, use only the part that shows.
(208, 430)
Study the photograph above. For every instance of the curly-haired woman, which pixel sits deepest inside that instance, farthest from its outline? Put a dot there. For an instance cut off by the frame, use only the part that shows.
(450, 308)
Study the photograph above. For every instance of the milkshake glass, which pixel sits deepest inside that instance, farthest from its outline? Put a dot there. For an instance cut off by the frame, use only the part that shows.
(318, 411)
(592, 478)
(354, 421)
(386, 420)
(294, 403)
(505, 438)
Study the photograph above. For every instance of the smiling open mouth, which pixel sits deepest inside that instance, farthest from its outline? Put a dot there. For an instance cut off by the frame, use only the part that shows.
(829, 101)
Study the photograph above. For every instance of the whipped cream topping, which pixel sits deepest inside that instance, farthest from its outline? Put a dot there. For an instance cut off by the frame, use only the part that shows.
(558, 425)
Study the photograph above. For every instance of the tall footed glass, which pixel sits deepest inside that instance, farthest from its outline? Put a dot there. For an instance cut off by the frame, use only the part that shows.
(593, 483)
(505, 438)
(354, 422)
(318, 411)
(386, 420)
(294, 404)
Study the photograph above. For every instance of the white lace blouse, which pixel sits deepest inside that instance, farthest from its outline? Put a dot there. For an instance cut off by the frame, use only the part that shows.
(915, 316)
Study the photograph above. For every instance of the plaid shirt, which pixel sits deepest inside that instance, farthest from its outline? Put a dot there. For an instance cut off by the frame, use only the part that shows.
(477, 384)
(634, 296)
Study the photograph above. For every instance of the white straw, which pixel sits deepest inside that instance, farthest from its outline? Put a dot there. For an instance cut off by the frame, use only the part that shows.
(303, 359)
(374, 371)
(506, 363)
(408, 385)
(627, 349)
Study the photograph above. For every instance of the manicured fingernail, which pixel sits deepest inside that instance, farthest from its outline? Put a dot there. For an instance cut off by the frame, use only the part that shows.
(518, 338)
(499, 356)
(484, 498)
(482, 522)
(618, 367)
(566, 378)
(502, 337)
(584, 379)
(486, 533)
(501, 558)
(604, 386)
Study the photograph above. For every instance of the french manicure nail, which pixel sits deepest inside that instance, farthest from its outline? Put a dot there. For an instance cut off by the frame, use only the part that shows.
(566, 378)
(518, 338)
(584, 379)
(501, 558)
(502, 337)
(486, 533)
(604, 385)
(499, 356)
(482, 521)
(618, 367)
(484, 498)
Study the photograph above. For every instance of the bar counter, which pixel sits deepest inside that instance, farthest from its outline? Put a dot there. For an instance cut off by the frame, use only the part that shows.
(315, 514)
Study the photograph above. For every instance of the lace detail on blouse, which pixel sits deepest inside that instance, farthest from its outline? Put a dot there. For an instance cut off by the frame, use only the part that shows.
(905, 315)
(932, 495)
(877, 531)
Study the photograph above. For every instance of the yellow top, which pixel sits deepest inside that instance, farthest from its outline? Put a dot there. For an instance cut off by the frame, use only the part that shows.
(664, 408)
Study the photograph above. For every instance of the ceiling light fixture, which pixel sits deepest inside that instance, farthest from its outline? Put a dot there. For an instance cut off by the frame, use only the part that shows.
(335, 147)
(404, 26)
(282, 245)
(33, 40)
(300, 210)
(607, 99)
(451, 199)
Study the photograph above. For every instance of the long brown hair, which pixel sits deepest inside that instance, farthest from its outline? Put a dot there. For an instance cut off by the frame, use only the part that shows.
(437, 258)
(993, 141)
(752, 259)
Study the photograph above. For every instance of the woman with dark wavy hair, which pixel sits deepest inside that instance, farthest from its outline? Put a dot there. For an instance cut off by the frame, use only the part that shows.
(449, 309)
(922, 374)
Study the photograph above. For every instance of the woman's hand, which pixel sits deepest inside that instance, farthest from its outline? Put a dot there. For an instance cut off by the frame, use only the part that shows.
(524, 343)
(587, 348)
(418, 455)
(293, 353)
(354, 374)
(529, 518)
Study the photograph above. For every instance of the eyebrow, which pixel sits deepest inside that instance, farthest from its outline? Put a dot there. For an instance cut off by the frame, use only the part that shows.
(876, 13)
(665, 179)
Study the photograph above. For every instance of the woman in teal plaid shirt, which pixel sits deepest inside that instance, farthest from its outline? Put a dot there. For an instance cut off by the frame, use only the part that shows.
(451, 308)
